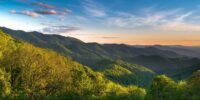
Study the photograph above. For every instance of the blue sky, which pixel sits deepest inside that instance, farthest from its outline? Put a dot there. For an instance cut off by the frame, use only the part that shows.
(108, 21)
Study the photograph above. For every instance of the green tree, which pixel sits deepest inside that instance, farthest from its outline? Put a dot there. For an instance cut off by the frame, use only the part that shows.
(136, 93)
(162, 88)
(5, 87)
(182, 91)
(193, 86)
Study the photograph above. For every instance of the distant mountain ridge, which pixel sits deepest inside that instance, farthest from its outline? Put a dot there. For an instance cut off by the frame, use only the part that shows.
(190, 51)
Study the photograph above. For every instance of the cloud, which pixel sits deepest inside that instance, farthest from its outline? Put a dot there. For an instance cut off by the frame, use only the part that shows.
(43, 5)
(25, 12)
(38, 13)
(191, 40)
(182, 17)
(170, 20)
(128, 20)
(60, 29)
(95, 12)
(46, 9)
(93, 9)
(179, 26)
(109, 37)
(49, 12)
(66, 10)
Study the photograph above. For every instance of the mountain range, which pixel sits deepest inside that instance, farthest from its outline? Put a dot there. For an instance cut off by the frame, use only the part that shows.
(31, 73)
(36, 66)
(137, 64)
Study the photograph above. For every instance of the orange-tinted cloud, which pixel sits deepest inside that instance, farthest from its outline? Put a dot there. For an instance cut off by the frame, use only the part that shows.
(25, 12)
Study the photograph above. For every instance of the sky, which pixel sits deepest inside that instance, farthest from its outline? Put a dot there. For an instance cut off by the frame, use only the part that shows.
(134, 22)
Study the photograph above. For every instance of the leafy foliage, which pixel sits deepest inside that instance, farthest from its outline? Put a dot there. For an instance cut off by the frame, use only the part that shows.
(162, 88)
(5, 87)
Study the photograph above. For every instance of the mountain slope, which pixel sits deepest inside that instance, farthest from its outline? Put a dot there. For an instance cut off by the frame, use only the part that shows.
(125, 73)
(28, 72)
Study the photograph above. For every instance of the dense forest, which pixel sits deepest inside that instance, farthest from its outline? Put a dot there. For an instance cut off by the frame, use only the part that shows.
(28, 72)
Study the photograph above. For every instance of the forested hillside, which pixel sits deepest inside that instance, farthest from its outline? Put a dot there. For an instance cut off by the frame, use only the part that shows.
(28, 72)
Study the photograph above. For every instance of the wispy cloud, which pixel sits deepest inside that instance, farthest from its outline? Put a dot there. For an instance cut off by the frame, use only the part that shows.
(42, 9)
(25, 12)
(60, 29)
(43, 5)
(38, 13)
(151, 18)
(65, 10)
(172, 20)
(128, 20)
(94, 9)
(109, 37)
(179, 26)
(55, 28)
(38, 4)
(49, 12)
(183, 16)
